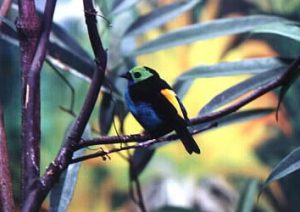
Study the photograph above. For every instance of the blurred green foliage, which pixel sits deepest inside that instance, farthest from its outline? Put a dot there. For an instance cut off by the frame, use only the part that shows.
(120, 42)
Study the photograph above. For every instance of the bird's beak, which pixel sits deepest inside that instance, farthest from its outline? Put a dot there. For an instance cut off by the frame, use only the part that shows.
(126, 76)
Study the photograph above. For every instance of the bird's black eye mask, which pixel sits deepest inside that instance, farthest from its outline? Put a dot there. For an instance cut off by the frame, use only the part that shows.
(137, 75)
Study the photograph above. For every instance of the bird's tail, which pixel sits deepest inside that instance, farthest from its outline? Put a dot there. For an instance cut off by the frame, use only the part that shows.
(188, 140)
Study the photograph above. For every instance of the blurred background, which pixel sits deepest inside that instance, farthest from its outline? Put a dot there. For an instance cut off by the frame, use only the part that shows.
(232, 158)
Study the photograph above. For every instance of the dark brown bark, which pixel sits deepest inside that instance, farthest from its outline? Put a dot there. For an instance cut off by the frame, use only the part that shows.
(28, 27)
(33, 38)
(6, 192)
(41, 187)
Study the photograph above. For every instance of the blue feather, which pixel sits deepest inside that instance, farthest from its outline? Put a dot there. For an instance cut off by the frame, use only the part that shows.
(144, 113)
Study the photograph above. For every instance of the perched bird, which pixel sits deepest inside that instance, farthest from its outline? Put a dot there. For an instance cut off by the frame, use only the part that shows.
(156, 107)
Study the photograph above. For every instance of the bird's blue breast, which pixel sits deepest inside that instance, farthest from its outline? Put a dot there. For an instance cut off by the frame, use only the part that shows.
(144, 113)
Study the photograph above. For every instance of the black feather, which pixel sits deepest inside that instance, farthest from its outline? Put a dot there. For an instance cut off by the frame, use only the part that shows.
(149, 91)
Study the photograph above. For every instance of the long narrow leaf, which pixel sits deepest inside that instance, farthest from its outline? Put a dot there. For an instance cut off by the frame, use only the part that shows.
(245, 116)
(286, 166)
(181, 87)
(122, 6)
(247, 66)
(140, 159)
(159, 16)
(8, 31)
(82, 65)
(62, 193)
(240, 89)
(237, 117)
(106, 113)
(195, 32)
(289, 79)
(286, 30)
(70, 42)
(247, 198)
(67, 58)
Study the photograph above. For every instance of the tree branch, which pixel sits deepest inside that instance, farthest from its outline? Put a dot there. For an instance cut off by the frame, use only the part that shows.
(5, 6)
(33, 42)
(212, 118)
(63, 159)
(144, 141)
(28, 27)
(6, 192)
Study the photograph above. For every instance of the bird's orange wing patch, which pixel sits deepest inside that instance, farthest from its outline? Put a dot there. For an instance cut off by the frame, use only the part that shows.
(171, 97)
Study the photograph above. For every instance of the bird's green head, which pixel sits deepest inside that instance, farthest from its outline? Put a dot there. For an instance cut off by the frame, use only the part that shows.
(140, 73)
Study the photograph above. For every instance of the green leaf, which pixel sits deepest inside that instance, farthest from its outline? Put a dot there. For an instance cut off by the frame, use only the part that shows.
(7, 23)
(247, 66)
(106, 113)
(105, 7)
(181, 87)
(247, 198)
(159, 16)
(286, 166)
(140, 159)
(291, 75)
(70, 42)
(245, 115)
(211, 29)
(71, 61)
(240, 89)
(282, 29)
(62, 193)
(124, 5)
(8, 31)
(237, 117)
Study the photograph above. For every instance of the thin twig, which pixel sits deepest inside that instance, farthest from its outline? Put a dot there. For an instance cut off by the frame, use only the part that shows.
(147, 143)
(69, 85)
(5, 6)
(63, 159)
(212, 117)
(141, 202)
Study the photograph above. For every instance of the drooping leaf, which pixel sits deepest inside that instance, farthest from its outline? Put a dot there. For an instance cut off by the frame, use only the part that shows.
(8, 31)
(290, 76)
(181, 87)
(116, 3)
(237, 117)
(196, 32)
(247, 66)
(140, 159)
(286, 166)
(159, 16)
(105, 7)
(247, 198)
(71, 61)
(62, 193)
(240, 89)
(106, 113)
(124, 5)
(70, 42)
(282, 29)
(245, 115)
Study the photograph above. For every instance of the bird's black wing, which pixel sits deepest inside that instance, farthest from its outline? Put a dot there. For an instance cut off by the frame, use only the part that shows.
(166, 102)
(169, 109)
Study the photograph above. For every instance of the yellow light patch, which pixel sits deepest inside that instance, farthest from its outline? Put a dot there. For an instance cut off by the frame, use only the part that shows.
(171, 97)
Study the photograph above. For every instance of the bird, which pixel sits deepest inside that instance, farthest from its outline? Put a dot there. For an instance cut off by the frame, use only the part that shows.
(156, 106)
